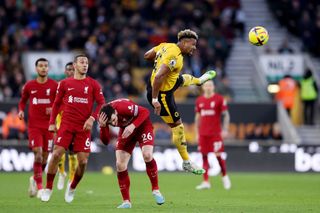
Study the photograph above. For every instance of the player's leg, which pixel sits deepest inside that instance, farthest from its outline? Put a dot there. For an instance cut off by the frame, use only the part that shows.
(191, 80)
(61, 143)
(82, 148)
(36, 179)
(152, 171)
(73, 163)
(170, 115)
(122, 159)
(205, 164)
(205, 145)
(61, 172)
(218, 149)
(36, 144)
(82, 165)
(58, 151)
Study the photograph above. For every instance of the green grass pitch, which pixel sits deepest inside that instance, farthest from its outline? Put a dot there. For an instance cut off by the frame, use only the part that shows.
(251, 192)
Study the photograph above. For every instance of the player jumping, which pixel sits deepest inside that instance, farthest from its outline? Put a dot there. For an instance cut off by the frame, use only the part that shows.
(166, 79)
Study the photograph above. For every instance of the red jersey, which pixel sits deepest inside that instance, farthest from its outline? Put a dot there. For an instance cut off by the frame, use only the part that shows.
(128, 112)
(77, 98)
(210, 110)
(41, 98)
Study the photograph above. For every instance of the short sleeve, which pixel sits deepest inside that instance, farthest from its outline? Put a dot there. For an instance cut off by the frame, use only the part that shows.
(170, 60)
(157, 48)
(224, 105)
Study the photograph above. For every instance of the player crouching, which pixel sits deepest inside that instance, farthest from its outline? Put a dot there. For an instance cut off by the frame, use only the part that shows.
(135, 126)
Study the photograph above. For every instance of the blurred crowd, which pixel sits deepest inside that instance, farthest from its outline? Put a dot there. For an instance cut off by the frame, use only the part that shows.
(114, 34)
(302, 18)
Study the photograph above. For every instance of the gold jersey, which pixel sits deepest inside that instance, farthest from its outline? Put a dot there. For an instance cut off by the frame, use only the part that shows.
(170, 55)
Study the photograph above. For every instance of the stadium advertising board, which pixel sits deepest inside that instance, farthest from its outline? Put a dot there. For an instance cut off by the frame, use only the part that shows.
(57, 62)
(246, 158)
(254, 121)
(248, 121)
(275, 66)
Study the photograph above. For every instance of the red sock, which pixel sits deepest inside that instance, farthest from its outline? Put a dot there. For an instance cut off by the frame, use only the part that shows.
(50, 178)
(152, 171)
(222, 164)
(205, 165)
(75, 181)
(124, 184)
(44, 166)
(37, 174)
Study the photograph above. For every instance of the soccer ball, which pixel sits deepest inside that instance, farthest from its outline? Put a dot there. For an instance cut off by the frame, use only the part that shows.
(258, 36)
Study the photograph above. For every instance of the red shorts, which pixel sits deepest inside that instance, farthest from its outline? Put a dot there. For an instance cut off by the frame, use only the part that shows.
(210, 144)
(78, 138)
(40, 138)
(143, 135)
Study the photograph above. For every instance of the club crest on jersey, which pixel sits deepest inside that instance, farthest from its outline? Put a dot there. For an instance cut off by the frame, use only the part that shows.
(212, 104)
(70, 99)
(86, 90)
(48, 92)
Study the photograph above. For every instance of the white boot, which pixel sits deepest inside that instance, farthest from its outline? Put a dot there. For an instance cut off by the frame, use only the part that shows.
(204, 185)
(32, 191)
(226, 182)
(61, 179)
(45, 195)
(69, 194)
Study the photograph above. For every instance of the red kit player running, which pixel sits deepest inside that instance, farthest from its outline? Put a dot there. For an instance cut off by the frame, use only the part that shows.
(77, 94)
(209, 109)
(41, 92)
(135, 126)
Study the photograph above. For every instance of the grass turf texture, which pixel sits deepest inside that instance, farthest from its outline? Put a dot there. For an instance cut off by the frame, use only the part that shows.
(251, 192)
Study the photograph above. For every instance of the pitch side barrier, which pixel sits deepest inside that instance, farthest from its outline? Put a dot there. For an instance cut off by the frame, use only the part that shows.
(243, 157)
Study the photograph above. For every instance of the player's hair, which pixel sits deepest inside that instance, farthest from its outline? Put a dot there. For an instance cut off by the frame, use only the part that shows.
(41, 59)
(108, 110)
(187, 33)
(68, 64)
(78, 56)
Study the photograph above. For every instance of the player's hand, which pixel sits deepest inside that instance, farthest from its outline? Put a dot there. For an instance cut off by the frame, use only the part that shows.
(128, 131)
(88, 124)
(52, 128)
(48, 110)
(157, 106)
(224, 134)
(103, 119)
(21, 115)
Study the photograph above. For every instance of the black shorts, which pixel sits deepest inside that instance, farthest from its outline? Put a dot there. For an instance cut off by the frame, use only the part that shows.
(169, 111)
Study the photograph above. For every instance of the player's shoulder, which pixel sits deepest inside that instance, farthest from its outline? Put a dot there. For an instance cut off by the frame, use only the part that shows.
(172, 48)
(52, 81)
(199, 98)
(218, 96)
(92, 80)
(31, 82)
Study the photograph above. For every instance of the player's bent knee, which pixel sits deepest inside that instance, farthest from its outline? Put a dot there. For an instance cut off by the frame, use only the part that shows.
(121, 166)
(147, 156)
(82, 162)
(56, 156)
(38, 158)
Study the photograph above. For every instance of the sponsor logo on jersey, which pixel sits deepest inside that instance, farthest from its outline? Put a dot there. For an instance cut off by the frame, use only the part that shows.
(72, 99)
(70, 89)
(36, 101)
(207, 112)
(33, 91)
